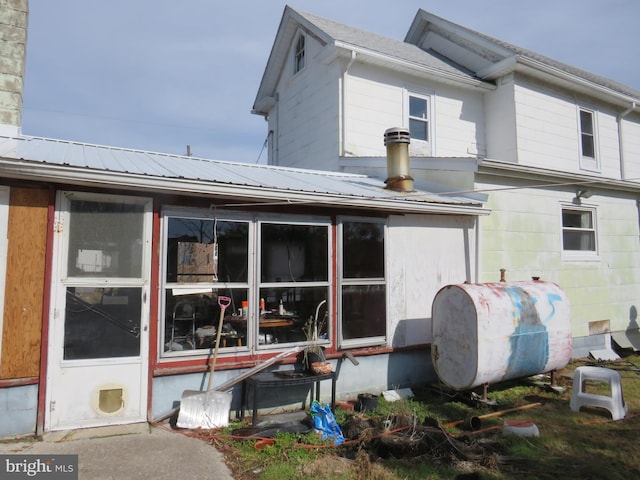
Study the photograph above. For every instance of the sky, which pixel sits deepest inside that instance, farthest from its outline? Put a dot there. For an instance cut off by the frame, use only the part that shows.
(159, 75)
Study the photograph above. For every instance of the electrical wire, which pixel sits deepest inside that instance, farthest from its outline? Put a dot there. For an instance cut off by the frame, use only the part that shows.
(415, 196)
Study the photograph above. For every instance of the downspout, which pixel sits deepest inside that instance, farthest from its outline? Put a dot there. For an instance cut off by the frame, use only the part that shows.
(620, 142)
(343, 140)
(478, 263)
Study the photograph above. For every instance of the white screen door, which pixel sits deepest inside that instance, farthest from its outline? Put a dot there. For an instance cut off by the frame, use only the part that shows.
(98, 342)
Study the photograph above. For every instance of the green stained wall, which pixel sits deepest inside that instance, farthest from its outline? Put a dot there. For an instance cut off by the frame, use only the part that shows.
(523, 235)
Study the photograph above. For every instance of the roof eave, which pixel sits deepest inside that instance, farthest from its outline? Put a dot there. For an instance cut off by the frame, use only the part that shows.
(531, 66)
(549, 178)
(248, 194)
(289, 24)
(412, 67)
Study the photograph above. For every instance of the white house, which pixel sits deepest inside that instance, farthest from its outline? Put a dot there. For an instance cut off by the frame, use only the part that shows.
(556, 149)
(112, 263)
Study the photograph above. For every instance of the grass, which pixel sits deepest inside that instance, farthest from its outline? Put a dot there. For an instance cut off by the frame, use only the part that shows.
(571, 445)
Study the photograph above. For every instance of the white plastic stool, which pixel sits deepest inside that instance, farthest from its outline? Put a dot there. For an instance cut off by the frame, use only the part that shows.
(615, 403)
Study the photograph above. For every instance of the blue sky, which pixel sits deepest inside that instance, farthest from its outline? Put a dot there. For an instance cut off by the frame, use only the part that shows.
(161, 74)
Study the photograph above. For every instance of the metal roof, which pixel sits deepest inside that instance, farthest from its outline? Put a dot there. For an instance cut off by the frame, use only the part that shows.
(63, 161)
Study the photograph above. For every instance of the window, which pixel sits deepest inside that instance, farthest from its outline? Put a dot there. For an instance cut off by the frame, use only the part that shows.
(588, 140)
(276, 274)
(294, 281)
(363, 289)
(299, 54)
(587, 134)
(103, 275)
(205, 258)
(419, 118)
(578, 230)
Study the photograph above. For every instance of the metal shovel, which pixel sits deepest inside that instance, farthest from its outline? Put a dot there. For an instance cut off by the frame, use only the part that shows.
(209, 409)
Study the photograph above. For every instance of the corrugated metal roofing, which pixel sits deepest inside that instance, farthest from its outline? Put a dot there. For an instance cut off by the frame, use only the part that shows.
(65, 161)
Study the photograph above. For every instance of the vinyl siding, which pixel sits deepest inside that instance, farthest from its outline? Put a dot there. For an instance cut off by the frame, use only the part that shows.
(523, 234)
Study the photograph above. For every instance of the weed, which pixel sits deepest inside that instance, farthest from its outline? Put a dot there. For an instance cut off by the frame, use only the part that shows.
(571, 445)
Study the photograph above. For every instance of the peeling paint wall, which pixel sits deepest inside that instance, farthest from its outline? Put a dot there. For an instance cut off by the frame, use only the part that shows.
(426, 252)
(13, 44)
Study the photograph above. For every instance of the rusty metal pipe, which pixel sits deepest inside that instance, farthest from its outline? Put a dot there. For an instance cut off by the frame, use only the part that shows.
(495, 414)
(397, 142)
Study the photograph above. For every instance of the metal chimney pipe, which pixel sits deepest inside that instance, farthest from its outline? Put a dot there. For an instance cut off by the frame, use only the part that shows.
(397, 142)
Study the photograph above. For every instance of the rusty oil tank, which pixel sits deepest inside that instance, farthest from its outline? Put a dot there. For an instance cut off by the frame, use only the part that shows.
(485, 333)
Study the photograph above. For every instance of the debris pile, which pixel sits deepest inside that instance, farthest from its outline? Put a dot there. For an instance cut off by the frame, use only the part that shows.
(405, 436)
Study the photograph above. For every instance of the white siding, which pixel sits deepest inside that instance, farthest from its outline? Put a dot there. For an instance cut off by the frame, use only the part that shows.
(371, 107)
(459, 123)
(609, 147)
(501, 124)
(548, 130)
(306, 118)
(425, 254)
(375, 102)
(631, 145)
(523, 235)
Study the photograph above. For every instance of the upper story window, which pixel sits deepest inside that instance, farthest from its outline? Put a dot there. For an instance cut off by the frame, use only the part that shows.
(588, 139)
(579, 235)
(363, 289)
(587, 134)
(419, 118)
(299, 54)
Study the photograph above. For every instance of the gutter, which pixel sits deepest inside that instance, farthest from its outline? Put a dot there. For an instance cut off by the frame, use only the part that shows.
(512, 170)
(459, 79)
(247, 194)
(575, 79)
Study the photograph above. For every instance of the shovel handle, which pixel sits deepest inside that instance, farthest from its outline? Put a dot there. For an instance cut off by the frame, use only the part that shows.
(224, 302)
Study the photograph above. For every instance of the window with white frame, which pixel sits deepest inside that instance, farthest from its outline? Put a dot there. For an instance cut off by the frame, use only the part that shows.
(362, 281)
(419, 118)
(588, 139)
(299, 54)
(274, 271)
(579, 235)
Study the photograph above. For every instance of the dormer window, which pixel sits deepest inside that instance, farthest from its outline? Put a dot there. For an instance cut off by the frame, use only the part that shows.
(298, 58)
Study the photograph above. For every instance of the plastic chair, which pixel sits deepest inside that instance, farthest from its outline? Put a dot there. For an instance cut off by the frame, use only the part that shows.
(614, 403)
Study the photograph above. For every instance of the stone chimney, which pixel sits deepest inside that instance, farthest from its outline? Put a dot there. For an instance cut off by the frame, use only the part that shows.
(13, 46)
(397, 142)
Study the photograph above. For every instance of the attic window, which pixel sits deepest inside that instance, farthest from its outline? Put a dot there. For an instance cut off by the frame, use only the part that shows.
(298, 59)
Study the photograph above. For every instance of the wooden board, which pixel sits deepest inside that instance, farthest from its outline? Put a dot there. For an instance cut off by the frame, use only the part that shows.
(24, 283)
